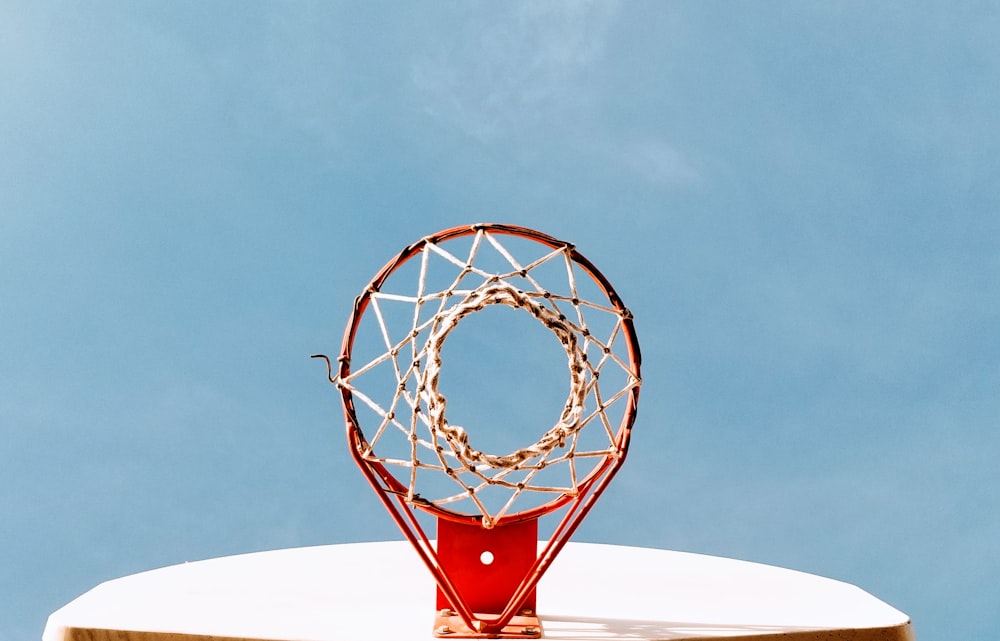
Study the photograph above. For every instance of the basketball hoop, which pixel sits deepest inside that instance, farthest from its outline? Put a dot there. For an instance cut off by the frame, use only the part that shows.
(486, 560)
(485, 505)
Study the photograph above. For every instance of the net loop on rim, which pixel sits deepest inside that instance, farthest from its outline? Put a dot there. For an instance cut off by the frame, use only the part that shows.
(494, 292)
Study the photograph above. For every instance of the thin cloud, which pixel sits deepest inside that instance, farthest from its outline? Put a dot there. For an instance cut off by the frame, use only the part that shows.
(508, 71)
(658, 162)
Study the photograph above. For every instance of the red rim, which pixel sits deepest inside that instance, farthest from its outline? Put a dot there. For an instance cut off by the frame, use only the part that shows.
(355, 434)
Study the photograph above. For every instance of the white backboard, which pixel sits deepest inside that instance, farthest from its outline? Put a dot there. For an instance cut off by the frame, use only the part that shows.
(382, 592)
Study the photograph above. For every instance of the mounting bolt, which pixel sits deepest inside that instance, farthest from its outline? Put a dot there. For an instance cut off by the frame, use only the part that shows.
(445, 612)
(530, 630)
(443, 629)
(526, 612)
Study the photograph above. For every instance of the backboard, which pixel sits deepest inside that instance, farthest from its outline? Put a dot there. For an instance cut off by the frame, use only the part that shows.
(382, 592)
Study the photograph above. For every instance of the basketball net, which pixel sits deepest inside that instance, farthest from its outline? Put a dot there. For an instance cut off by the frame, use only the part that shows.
(486, 559)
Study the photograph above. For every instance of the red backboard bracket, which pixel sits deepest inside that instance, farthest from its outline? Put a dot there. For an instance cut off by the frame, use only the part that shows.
(487, 566)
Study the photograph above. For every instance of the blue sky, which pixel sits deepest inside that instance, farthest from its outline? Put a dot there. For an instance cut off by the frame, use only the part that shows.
(798, 201)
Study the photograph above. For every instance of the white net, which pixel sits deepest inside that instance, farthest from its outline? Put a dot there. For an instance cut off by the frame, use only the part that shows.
(397, 349)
